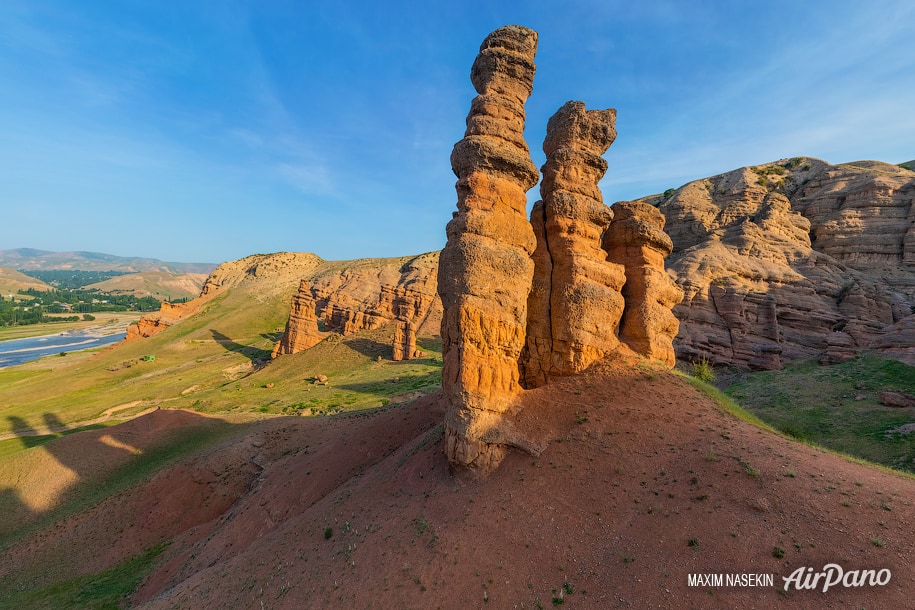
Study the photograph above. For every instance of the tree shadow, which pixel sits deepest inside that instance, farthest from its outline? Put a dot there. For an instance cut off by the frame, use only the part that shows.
(248, 351)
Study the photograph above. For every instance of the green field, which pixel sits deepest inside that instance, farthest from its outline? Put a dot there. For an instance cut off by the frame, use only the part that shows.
(836, 406)
(217, 361)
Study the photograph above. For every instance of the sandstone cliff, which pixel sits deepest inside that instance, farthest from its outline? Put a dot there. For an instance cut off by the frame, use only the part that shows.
(349, 296)
(793, 259)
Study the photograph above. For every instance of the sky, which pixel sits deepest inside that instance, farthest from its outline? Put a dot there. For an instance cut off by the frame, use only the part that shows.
(205, 131)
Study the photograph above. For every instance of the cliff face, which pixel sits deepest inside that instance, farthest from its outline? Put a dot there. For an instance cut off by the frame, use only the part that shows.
(349, 296)
(794, 259)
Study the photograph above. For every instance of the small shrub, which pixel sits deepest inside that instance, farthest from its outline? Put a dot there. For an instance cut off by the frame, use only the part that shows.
(778, 552)
(693, 542)
(703, 370)
(328, 532)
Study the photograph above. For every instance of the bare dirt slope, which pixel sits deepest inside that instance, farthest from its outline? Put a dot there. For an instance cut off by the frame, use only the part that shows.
(644, 482)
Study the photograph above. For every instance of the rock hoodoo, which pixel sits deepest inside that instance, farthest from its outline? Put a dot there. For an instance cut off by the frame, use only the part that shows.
(637, 241)
(485, 268)
(302, 327)
(524, 301)
(575, 302)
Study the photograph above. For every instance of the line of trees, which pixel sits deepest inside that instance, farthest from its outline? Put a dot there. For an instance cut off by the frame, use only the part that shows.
(33, 306)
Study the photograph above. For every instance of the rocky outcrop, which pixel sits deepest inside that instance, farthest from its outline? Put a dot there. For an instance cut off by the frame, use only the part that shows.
(404, 341)
(485, 269)
(168, 314)
(302, 327)
(347, 297)
(636, 241)
(575, 303)
(775, 259)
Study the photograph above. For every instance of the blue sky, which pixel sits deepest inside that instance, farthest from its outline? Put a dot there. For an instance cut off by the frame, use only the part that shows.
(207, 131)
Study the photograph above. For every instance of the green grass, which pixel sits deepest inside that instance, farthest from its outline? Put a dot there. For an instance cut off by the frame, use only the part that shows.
(204, 363)
(836, 406)
(108, 589)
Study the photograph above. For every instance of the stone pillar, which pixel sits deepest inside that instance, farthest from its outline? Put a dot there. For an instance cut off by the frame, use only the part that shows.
(636, 240)
(485, 269)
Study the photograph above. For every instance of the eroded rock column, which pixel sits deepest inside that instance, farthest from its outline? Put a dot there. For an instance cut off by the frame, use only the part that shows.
(485, 268)
(302, 327)
(575, 305)
(637, 241)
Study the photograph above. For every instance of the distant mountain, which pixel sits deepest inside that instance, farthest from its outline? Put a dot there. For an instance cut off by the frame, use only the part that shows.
(32, 259)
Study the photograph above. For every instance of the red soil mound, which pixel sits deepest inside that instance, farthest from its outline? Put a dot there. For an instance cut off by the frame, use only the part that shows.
(645, 482)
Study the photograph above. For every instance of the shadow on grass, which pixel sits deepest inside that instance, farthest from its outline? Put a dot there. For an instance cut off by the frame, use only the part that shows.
(370, 348)
(390, 387)
(250, 352)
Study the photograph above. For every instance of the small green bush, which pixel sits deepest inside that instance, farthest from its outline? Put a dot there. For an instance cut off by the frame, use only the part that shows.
(703, 370)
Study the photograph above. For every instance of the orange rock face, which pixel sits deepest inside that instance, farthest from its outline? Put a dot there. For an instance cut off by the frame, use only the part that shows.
(351, 296)
(575, 302)
(302, 327)
(485, 268)
(637, 241)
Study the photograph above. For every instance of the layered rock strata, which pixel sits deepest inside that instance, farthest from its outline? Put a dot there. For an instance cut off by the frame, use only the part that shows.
(348, 297)
(636, 240)
(404, 341)
(485, 268)
(302, 327)
(575, 303)
(794, 259)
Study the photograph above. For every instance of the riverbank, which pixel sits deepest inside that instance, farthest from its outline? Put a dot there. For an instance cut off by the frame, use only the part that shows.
(105, 323)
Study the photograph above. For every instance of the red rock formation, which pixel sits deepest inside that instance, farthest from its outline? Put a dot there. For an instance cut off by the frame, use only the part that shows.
(302, 327)
(575, 304)
(485, 269)
(637, 241)
(404, 341)
(168, 314)
(756, 284)
(352, 296)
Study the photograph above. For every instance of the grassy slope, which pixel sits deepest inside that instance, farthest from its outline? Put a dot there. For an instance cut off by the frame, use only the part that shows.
(159, 284)
(212, 362)
(12, 281)
(836, 406)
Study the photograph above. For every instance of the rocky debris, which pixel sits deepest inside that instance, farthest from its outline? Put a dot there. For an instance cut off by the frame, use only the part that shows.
(775, 257)
(897, 340)
(575, 302)
(636, 241)
(319, 379)
(840, 347)
(485, 269)
(897, 399)
(302, 327)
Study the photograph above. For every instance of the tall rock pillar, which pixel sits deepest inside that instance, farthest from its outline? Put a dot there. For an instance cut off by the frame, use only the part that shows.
(485, 269)
(575, 304)
(636, 240)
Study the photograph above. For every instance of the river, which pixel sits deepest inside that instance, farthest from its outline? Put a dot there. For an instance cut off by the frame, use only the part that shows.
(17, 351)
